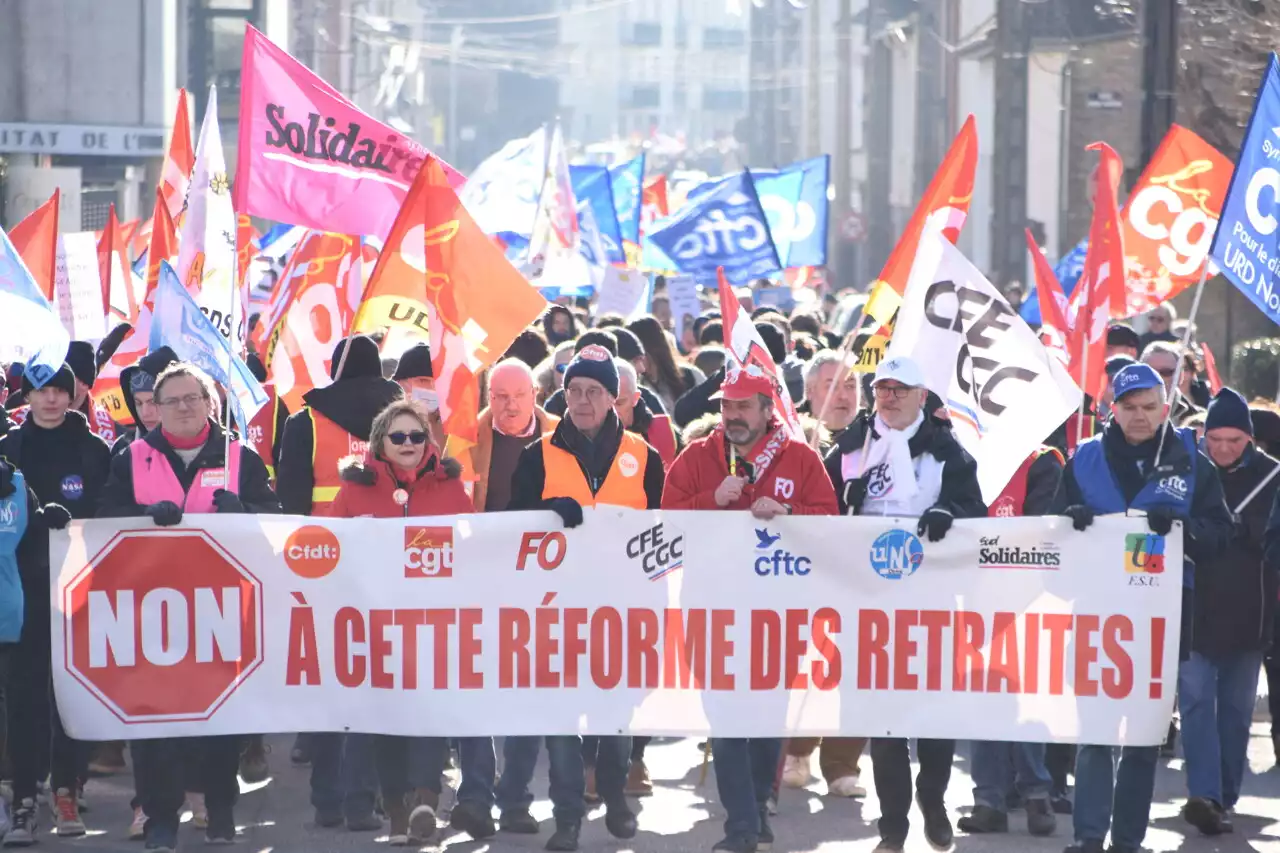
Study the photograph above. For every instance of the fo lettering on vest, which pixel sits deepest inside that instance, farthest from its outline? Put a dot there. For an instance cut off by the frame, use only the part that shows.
(622, 486)
(155, 481)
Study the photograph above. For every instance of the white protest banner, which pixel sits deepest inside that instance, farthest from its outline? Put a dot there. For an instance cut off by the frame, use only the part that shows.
(77, 286)
(622, 291)
(682, 295)
(1003, 391)
(681, 623)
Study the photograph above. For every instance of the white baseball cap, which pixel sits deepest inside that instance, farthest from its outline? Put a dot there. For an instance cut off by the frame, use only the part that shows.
(900, 369)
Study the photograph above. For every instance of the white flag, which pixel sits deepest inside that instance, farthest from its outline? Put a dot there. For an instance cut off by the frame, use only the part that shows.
(502, 193)
(1003, 391)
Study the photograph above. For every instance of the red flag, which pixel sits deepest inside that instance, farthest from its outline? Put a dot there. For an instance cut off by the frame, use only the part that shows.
(653, 202)
(747, 347)
(163, 246)
(36, 239)
(1101, 292)
(1211, 368)
(1053, 305)
(106, 240)
(175, 178)
(440, 277)
(945, 201)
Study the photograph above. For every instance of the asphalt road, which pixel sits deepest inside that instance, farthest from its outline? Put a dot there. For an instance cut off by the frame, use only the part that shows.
(275, 817)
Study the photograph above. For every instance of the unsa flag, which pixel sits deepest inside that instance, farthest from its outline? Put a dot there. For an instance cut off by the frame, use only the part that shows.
(1002, 389)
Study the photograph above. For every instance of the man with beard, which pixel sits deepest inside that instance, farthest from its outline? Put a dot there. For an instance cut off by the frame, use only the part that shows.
(749, 462)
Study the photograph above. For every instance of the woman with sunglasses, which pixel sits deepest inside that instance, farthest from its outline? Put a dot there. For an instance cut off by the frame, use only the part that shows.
(404, 475)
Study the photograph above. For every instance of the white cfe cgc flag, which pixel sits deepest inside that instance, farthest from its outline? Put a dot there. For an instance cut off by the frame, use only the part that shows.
(1003, 391)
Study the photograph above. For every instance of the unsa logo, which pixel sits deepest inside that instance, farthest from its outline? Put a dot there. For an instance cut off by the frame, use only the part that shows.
(896, 554)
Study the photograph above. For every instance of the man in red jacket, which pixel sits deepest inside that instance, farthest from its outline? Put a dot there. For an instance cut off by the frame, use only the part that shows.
(748, 462)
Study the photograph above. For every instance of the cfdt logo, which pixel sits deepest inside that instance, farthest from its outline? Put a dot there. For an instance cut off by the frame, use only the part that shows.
(428, 552)
(896, 554)
(775, 561)
(659, 550)
(1144, 558)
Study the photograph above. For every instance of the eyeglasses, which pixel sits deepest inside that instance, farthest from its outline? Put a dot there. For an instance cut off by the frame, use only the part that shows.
(190, 401)
(578, 393)
(415, 438)
(1167, 372)
(884, 392)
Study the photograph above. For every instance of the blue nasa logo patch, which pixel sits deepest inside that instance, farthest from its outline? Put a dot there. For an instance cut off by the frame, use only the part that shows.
(72, 487)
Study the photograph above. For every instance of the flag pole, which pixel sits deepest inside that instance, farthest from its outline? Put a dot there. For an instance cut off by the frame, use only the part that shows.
(1177, 371)
(846, 349)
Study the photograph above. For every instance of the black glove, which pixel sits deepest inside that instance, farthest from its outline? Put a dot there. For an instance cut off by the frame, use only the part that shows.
(936, 521)
(1081, 516)
(165, 513)
(53, 516)
(855, 492)
(224, 501)
(1160, 521)
(569, 510)
(6, 479)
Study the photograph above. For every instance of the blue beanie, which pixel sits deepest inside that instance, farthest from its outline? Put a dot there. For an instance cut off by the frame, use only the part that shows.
(594, 362)
(1229, 409)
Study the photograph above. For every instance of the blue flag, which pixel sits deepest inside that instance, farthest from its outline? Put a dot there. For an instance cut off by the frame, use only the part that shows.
(1247, 244)
(1068, 271)
(592, 184)
(628, 196)
(179, 324)
(726, 227)
(30, 331)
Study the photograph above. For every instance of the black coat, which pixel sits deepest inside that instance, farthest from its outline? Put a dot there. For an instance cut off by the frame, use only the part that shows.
(67, 465)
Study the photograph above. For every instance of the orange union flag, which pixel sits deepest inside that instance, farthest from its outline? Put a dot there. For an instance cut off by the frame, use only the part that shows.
(441, 277)
(1170, 218)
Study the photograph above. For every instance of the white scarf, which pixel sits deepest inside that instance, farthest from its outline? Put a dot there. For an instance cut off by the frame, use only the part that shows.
(887, 464)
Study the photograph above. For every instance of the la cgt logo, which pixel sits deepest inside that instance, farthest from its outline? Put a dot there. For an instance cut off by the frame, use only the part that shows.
(162, 638)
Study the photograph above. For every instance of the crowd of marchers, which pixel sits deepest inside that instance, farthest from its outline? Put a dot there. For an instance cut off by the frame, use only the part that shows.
(628, 414)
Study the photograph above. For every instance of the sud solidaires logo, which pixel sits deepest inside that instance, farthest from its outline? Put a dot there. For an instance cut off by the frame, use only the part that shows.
(1143, 558)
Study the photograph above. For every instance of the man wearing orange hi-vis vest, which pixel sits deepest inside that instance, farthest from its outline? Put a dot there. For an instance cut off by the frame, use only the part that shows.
(334, 424)
(589, 459)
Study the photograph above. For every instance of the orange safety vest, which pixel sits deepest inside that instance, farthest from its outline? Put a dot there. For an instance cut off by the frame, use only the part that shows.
(330, 444)
(262, 430)
(623, 485)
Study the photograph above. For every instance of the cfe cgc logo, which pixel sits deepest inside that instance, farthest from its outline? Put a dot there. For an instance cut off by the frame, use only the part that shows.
(896, 554)
(428, 552)
(771, 561)
(659, 550)
(1144, 558)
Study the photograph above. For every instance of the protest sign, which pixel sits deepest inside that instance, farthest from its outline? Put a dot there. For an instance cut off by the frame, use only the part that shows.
(682, 296)
(623, 291)
(78, 286)
(664, 623)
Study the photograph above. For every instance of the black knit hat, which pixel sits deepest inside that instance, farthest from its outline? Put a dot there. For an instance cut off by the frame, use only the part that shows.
(363, 362)
(774, 341)
(600, 337)
(594, 362)
(1228, 409)
(81, 358)
(415, 363)
(64, 379)
(629, 346)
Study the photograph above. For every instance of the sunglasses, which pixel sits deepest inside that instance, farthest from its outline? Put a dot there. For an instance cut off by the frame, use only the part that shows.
(415, 438)
(561, 368)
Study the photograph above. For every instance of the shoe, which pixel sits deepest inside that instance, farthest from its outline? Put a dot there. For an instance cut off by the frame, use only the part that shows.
(81, 800)
(66, 814)
(1206, 816)
(737, 844)
(301, 752)
(138, 828)
(199, 813)
(619, 820)
(889, 846)
(565, 838)
(326, 819)
(422, 819)
(797, 771)
(846, 786)
(364, 823)
(398, 815)
(475, 819)
(937, 826)
(253, 761)
(1041, 820)
(638, 782)
(22, 833)
(764, 841)
(161, 840)
(589, 793)
(1090, 846)
(982, 820)
(1061, 803)
(108, 759)
(1123, 848)
(771, 805)
(222, 828)
(518, 822)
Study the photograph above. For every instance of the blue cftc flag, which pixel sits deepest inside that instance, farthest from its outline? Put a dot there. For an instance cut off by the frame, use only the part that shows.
(724, 228)
(592, 184)
(628, 196)
(1247, 245)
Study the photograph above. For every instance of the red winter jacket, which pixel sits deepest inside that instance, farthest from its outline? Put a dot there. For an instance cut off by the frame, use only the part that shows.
(369, 485)
(795, 478)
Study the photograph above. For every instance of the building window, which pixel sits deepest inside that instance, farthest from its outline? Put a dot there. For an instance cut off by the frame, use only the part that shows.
(646, 34)
(643, 97)
(725, 100)
(723, 38)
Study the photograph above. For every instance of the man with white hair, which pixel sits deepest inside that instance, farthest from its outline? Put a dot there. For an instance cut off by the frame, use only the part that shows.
(507, 425)
(831, 391)
(637, 417)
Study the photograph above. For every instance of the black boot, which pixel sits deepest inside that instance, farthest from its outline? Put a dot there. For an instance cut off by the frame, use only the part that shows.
(565, 837)
(984, 819)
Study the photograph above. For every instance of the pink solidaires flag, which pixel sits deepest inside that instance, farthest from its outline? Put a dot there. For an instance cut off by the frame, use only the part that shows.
(310, 157)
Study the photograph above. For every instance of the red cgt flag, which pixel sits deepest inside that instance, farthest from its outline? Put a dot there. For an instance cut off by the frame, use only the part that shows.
(36, 239)
(946, 201)
(440, 277)
(113, 270)
(175, 178)
(1054, 331)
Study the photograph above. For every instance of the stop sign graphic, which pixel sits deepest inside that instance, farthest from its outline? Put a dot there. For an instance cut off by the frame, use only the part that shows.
(163, 626)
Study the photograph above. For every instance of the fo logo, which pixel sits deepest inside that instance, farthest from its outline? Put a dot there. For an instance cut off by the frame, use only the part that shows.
(1143, 558)
(547, 548)
(896, 554)
(428, 552)
(157, 645)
